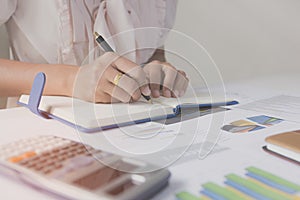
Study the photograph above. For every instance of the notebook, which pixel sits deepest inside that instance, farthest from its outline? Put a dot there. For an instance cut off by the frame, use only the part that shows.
(285, 144)
(91, 117)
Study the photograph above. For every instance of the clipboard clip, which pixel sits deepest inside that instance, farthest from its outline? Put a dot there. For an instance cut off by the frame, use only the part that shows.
(36, 94)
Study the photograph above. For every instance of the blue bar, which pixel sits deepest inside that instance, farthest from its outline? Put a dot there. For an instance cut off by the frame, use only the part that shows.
(271, 183)
(245, 190)
(212, 195)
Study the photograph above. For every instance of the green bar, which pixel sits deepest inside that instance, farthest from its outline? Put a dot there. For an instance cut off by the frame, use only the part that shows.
(256, 188)
(273, 178)
(227, 194)
(187, 196)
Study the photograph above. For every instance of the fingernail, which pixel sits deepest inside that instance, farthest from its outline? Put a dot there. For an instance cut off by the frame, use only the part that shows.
(146, 91)
(156, 93)
(167, 93)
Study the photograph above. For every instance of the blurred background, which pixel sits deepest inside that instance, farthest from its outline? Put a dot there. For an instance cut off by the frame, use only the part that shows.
(245, 38)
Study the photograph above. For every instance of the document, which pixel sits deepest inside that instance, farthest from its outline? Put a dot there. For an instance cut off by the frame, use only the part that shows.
(195, 177)
(161, 144)
(282, 106)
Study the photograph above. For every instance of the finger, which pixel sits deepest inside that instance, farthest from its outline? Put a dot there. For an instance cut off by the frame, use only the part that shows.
(139, 76)
(125, 82)
(114, 100)
(184, 87)
(179, 85)
(129, 68)
(154, 70)
(169, 79)
(116, 92)
(102, 97)
(182, 72)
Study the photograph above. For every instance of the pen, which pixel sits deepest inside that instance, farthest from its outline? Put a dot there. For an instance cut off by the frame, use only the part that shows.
(107, 48)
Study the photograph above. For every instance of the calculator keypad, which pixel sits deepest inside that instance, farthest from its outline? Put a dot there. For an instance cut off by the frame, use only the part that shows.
(55, 163)
(45, 154)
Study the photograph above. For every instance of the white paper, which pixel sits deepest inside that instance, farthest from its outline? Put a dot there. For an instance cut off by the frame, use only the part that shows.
(283, 106)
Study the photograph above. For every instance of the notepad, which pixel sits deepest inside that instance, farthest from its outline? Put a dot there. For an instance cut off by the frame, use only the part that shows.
(90, 117)
(286, 144)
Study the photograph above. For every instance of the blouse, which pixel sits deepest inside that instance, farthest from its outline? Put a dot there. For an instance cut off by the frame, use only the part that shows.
(61, 31)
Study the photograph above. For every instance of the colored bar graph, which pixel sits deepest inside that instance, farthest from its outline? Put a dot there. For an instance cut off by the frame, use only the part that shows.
(271, 183)
(242, 195)
(188, 196)
(221, 191)
(289, 196)
(274, 178)
(245, 190)
(268, 194)
(257, 184)
(212, 195)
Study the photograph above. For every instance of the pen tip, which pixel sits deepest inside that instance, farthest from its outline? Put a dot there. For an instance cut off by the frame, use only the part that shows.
(96, 34)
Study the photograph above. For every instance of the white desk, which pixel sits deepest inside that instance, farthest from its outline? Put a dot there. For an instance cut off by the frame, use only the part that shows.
(19, 123)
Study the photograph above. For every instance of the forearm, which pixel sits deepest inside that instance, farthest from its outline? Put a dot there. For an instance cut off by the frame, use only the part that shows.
(16, 78)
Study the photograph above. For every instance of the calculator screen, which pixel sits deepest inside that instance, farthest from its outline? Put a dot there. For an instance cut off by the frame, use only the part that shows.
(104, 175)
(98, 178)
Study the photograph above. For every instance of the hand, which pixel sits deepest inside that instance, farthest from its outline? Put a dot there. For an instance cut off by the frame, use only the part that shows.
(95, 82)
(159, 74)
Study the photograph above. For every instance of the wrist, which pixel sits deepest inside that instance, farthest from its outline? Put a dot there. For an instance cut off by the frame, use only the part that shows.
(60, 79)
(70, 80)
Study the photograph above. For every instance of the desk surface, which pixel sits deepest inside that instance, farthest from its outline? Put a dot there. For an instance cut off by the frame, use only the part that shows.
(244, 150)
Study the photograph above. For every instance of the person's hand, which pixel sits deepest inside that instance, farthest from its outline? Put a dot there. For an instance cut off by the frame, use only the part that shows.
(111, 78)
(174, 82)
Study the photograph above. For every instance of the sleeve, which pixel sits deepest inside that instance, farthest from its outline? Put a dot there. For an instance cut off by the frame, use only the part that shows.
(159, 55)
(7, 9)
(171, 8)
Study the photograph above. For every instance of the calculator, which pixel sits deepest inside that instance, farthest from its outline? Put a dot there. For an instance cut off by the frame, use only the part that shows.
(72, 170)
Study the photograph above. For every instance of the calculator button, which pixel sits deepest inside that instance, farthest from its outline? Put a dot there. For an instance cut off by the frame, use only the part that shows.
(49, 163)
(53, 156)
(61, 158)
(45, 154)
(47, 171)
(31, 165)
(58, 166)
(15, 159)
(38, 167)
(70, 155)
(24, 162)
(65, 148)
(55, 150)
(29, 154)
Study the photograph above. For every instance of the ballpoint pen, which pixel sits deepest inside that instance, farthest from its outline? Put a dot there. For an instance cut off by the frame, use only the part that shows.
(107, 48)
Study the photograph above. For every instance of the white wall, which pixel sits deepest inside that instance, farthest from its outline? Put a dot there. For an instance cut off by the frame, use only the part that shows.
(3, 43)
(3, 54)
(246, 38)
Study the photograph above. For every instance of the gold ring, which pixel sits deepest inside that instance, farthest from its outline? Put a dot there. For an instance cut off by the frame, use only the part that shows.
(117, 78)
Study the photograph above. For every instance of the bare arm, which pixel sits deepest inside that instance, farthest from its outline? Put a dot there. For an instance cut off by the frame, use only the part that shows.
(16, 78)
(92, 82)
(95, 80)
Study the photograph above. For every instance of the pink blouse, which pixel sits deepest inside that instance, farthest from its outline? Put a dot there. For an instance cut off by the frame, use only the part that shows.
(61, 31)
